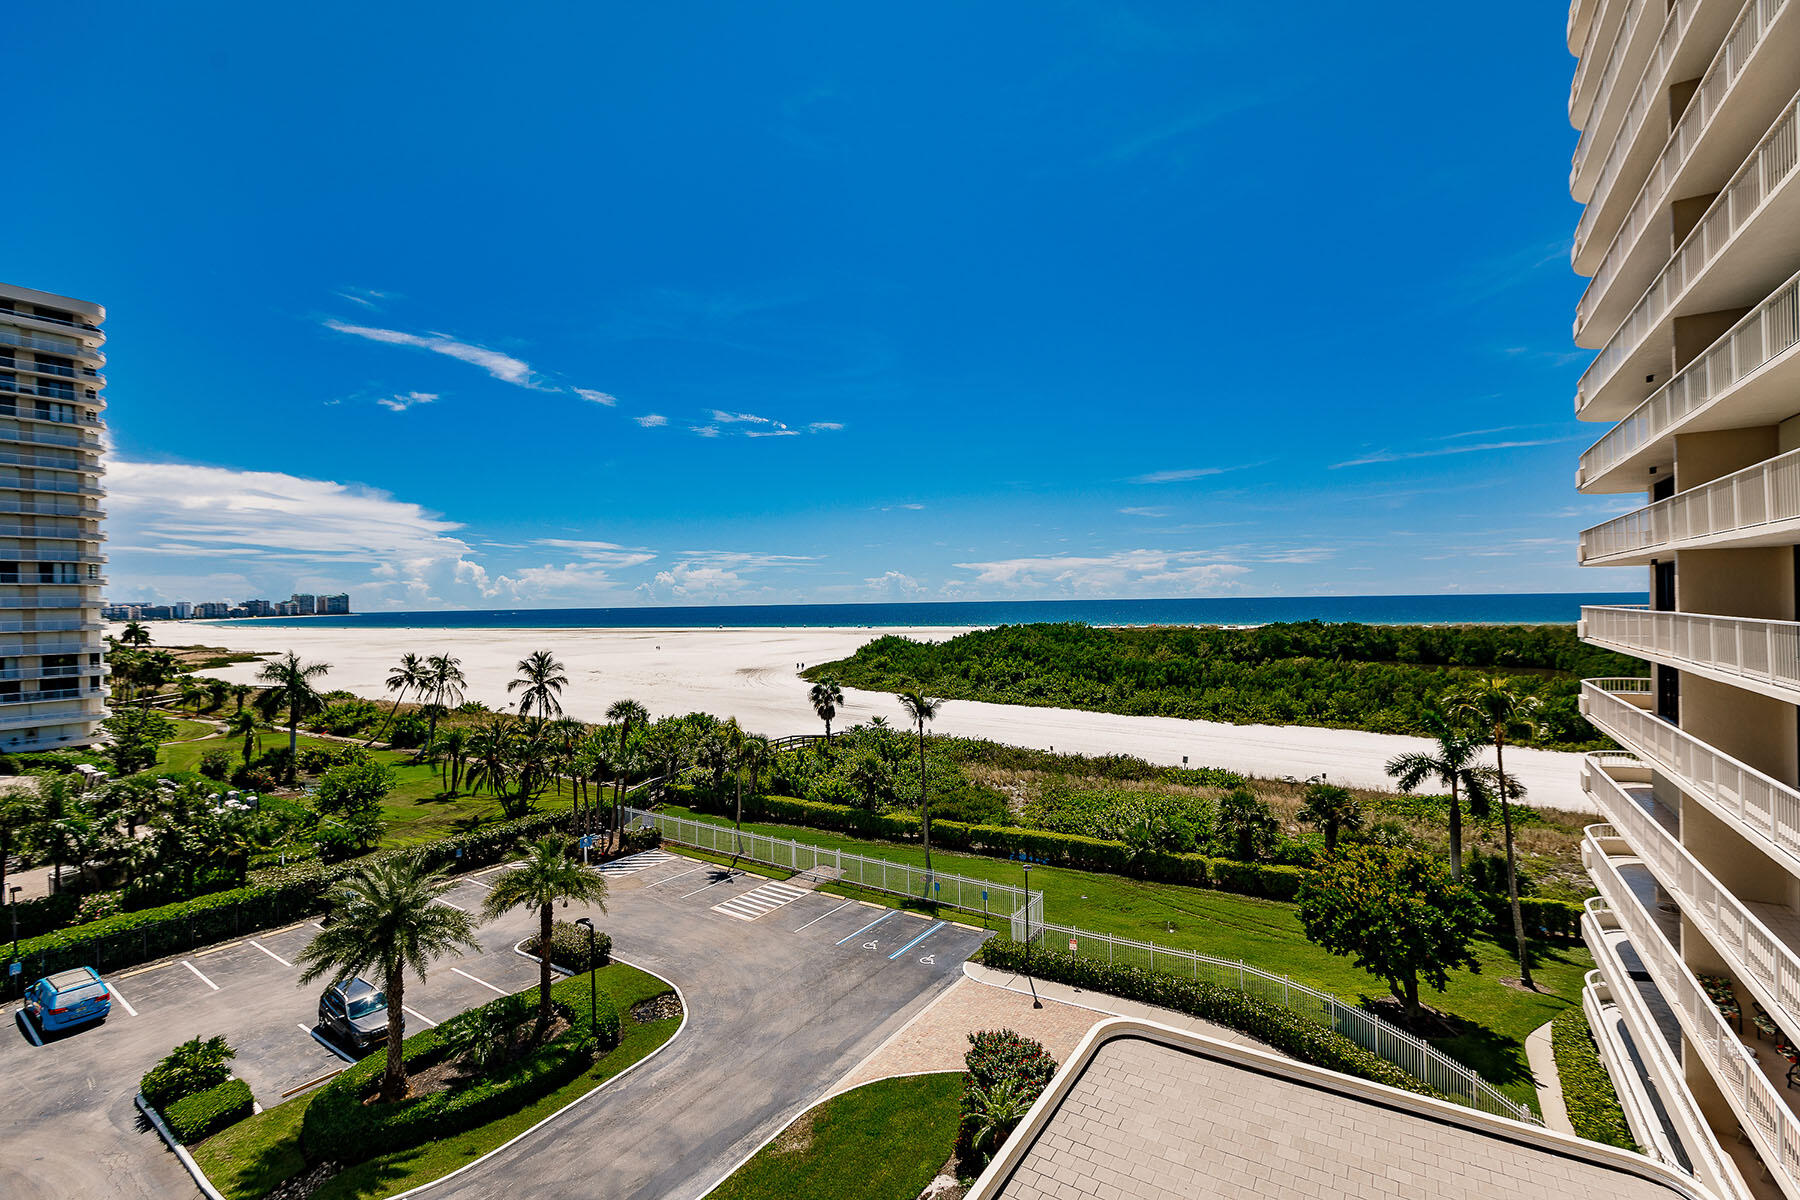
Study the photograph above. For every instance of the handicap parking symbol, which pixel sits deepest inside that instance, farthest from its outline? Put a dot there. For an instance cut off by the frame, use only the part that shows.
(870, 945)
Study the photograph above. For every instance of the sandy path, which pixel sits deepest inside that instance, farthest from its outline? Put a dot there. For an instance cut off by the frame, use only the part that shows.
(750, 674)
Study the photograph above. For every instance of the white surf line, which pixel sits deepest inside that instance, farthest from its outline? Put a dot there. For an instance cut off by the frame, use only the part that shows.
(314, 1034)
(484, 983)
(673, 878)
(816, 920)
(197, 975)
(412, 1012)
(915, 941)
(892, 912)
(715, 883)
(114, 988)
(284, 962)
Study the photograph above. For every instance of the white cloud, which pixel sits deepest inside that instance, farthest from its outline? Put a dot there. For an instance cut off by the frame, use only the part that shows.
(608, 553)
(1184, 474)
(705, 431)
(367, 297)
(896, 585)
(652, 420)
(912, 507)
(1122, 573)
(776, 432)
(1388, 456)
(730, 418)
(1140, 511)
(597, 397)
(503, 367)
(825, 426)
(401, 401)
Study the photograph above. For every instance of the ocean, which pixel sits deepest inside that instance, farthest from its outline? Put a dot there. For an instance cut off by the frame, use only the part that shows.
(1532, 608)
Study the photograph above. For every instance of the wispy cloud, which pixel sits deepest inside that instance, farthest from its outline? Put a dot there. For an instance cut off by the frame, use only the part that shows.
(608, 553)
(367, 297)
(825, 426)
(731, 418)
(776, 432)
(503, 367)
(1141, 511)
(1389, 456)
(1184, 474)
(401, 401)
(1122, 573)
(652, 420)
(705, 431)
(597, 397)
(910, 507)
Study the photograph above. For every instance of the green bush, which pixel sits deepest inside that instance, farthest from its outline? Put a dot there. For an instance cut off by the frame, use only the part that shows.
(197, 1117)
(1005, 1073)
(216, 764)
(646, 838)
(1587, 1089)
(569, 947)
(189, 1069)
(1280, 1028)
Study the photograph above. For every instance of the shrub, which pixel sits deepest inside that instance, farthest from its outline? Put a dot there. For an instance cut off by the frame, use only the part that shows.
(1005, 1075)
(647, 838)
(96, 906)
(569, 947)
(255, 779)
(216, 764)
(197, 1117)
(189, 1069)
(1278, 1027)
(408, 730)
(1587, 1089)
(355, 787)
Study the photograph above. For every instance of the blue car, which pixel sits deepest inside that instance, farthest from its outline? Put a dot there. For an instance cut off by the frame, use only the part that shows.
(68, 998)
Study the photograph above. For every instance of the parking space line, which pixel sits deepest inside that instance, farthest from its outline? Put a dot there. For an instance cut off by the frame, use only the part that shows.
(315, 1037)
(197, 975)
(760, 902)
(816, 920)
(915, 941)
(317, 926)
(459, 908)
(411, 1012)
(729, 876)
(30, 1032)
(284, 962)
(122, 1000)
(479, 884)
(484, 983)
(892, 912)
(673, 878)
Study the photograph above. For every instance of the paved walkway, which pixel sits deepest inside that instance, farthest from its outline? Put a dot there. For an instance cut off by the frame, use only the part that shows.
(1542, 1060)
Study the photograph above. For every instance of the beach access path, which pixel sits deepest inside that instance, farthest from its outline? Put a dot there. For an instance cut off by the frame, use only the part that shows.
(752, 674)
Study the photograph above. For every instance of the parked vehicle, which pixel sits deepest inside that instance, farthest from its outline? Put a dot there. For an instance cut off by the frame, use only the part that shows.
(68, 998)
(356, 1011)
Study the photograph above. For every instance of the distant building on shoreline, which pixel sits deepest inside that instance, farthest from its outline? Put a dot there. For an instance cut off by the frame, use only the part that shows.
(302, 604)
(52, 666)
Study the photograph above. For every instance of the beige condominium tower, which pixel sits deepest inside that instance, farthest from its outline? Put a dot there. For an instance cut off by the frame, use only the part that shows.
(52, 665)
(1688, 171)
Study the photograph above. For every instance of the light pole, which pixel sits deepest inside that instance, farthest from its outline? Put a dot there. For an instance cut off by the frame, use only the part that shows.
(593, 965)
(13, 903)
(1035, 1002)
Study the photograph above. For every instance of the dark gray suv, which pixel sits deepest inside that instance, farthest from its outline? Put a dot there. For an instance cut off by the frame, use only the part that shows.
(354, 1010)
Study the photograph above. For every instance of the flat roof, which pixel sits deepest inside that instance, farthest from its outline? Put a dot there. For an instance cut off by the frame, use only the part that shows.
(1146, 1117)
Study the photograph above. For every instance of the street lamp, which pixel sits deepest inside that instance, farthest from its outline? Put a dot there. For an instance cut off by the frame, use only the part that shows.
(13, 903)
(1035, 1002)
(593, 964)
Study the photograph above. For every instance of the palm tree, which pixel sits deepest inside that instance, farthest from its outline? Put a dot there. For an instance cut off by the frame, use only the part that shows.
(922, 710)
(826, 695)
(240, 692)
(546, 876)
(452, 750)
(491, 756)
(628, 715)
(386, 919)
(407, 675)
(243, 724)
(755, 754)
(1504, 708)
(20, 810)
(135, 635)
(291, 686)
(443, 685)
(191, 691)
(542, 679)
(216, 691)
(1331, 808)
(1454, 766)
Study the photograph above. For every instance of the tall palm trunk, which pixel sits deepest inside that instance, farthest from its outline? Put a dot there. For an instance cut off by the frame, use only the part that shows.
(1455, 833)
(1512, 873)
(293, 742)
(545, 921)
(393, 1076)
(924, 809)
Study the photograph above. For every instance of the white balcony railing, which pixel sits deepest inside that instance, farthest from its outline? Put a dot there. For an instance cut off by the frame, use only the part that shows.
(1770, 166)
(1757, 497)
(1651, 92)
(23, 340)
(1615, 63)
(1763, 808)
(10, 313)
(1748, 649)
(1755, 953)
(1582, 85)
(1761, 1109)
(1763, 334)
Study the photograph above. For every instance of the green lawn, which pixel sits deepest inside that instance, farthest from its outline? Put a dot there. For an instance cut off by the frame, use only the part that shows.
(1489, 1021)
(882, 1141)
(245, 1161)
(187, 731)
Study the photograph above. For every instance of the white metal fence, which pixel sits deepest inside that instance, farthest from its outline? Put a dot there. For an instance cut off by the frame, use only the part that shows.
(1025, 912)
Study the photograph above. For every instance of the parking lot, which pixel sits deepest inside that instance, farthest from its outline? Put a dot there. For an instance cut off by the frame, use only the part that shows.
(787, 988)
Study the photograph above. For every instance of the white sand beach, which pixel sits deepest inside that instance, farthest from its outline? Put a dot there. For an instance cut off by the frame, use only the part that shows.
(750, 674)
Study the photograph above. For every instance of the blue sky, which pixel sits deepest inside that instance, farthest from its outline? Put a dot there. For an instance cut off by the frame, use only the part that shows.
(570, 304)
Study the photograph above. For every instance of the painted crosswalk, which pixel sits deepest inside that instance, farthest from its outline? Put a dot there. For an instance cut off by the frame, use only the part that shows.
(764, 900)
(631, 864)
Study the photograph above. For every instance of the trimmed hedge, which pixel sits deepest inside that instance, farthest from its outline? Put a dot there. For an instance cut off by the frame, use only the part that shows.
(996, 1058)
(1544, 918)
(196, 1118)
(1277, 1027)
(339, 1127)
(187, 1070)
(1587, 1089)
(275, 895)
(569, 947)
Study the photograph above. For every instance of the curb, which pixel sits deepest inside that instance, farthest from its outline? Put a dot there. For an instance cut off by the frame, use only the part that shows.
(187, 1160)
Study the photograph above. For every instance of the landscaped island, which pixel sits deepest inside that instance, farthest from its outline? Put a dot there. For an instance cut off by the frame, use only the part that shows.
(1381, 678)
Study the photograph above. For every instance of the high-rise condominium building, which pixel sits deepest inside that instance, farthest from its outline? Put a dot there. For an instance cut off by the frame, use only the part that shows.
(52, 667)
(1688, 169)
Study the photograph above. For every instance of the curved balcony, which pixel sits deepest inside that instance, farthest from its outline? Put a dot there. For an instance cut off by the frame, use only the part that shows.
(1740, 251)
(1762, 809)
(86, 408)
(61, 486)
(43, 533)
(1747, 378)
(64, 712)
(69, 672)
(1761, 1109)
(1758, 506)
(1762, 656)
(57, 324)
(1631, 47)
(25, 341)
(83, 440)
(1581, 15)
